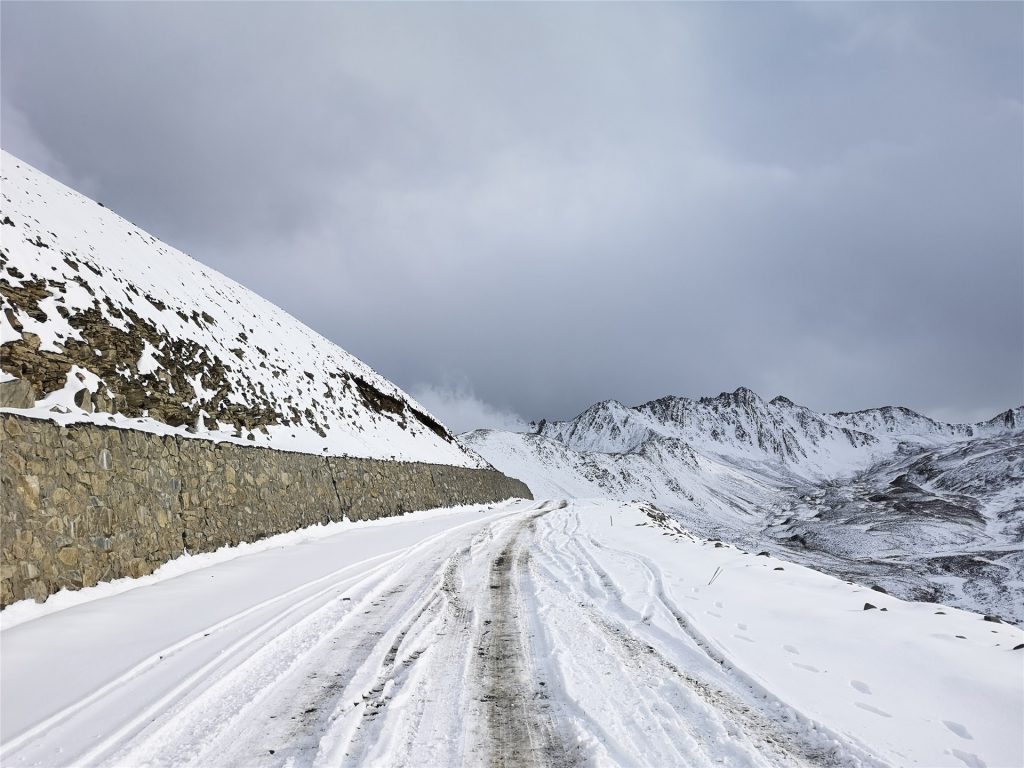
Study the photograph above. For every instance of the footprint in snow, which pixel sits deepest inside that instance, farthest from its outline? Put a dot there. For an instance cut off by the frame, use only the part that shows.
(808, 667)
(719, 605)
(712, 613)
(743, 637)
(969, 759)
(873, 710)
(958, 729)
(862, 687)
(742, 626)
(791, 649)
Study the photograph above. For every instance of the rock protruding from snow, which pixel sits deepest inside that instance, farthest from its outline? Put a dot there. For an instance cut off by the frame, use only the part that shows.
(1010, 420)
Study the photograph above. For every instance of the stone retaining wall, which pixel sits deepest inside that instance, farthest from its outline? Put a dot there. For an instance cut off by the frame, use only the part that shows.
(84, 504)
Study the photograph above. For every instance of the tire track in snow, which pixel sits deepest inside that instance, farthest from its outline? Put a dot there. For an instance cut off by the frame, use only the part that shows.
(205, 713)
(429, 724)
(794, 738)
(280, 697)
(371, 658)
(414, 711)
(424, 732)
(655, 716)
(439, 612)
(278, 620)
(521, 727)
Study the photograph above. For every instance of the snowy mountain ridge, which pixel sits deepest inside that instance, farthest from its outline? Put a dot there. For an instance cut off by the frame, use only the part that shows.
(101, 322)
(742, 425)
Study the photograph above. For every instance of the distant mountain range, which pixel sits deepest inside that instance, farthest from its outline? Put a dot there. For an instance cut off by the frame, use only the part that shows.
(885, 496)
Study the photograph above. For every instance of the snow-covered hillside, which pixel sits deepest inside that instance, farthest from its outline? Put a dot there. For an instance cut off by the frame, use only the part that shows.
(552, 633)
(928, 510)
(102, 322)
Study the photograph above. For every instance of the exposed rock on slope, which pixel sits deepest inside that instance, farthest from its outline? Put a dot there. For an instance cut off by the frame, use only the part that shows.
(102, 322)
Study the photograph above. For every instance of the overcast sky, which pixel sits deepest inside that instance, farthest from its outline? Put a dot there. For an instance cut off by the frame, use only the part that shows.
(521, 209)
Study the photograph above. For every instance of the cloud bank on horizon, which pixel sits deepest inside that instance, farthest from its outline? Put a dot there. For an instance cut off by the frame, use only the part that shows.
(462, 410)
(567, 203)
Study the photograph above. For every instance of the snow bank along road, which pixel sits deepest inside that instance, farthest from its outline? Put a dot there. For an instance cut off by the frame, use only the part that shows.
(525, 634)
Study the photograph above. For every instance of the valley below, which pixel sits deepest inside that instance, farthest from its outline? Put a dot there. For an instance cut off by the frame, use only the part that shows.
(908, 526)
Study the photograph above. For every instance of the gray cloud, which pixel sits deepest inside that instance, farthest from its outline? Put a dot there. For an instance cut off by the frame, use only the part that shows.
(565, 203)
(455, 403)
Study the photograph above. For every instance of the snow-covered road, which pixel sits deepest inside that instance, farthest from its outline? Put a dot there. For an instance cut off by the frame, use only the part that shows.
(547, 633)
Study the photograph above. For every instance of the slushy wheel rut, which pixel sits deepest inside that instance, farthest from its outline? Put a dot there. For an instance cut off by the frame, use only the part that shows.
(520, 726)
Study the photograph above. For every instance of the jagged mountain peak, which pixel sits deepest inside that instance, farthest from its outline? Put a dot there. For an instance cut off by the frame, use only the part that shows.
(604, 406)
(1011, 419)
(740, 395)
(737, 423)
(742, 425)
(890, 412)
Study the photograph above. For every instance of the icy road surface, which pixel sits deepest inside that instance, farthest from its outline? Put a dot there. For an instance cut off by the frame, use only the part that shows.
(526, 634)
